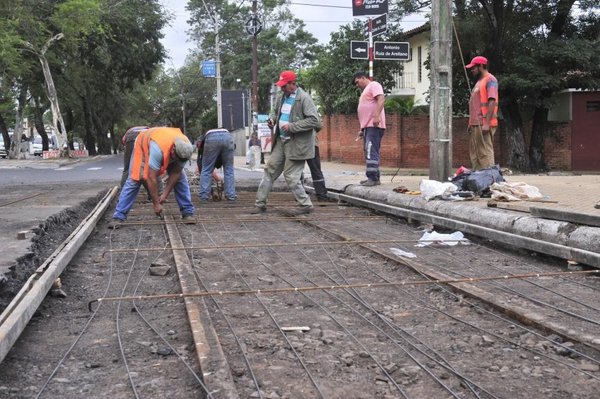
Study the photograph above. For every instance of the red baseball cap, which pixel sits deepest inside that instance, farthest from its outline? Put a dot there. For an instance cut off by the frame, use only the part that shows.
(285, 77)
(479, 60)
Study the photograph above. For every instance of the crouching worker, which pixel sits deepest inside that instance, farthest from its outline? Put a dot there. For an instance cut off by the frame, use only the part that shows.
(157, 151)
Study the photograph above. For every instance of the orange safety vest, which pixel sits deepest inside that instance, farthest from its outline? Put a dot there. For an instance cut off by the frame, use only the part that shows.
(165, 138)
(483, 96)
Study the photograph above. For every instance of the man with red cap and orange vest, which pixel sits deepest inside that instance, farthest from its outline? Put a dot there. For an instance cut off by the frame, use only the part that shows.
(157, 151)
(483, 115)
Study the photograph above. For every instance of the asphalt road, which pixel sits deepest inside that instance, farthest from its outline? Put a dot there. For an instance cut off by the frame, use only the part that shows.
(104, 169)
(101, 169)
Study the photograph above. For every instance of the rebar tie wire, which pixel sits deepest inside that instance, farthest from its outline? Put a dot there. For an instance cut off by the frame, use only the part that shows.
(255, 219)
(342, 286)
(286, 244)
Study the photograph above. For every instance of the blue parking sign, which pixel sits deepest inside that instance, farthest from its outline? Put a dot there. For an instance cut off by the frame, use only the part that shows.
(209, 68)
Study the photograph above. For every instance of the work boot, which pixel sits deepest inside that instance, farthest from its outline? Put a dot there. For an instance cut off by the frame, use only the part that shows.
(188, 219)
(303, 210)
(597, 206)
(370, 183)
(258, 210)
(115, 224)
(325, 199)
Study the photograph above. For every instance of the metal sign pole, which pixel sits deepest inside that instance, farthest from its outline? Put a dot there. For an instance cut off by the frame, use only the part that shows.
(218, 56)
(370, 49)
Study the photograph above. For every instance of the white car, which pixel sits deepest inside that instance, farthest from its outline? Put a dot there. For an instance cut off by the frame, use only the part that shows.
(3, 153)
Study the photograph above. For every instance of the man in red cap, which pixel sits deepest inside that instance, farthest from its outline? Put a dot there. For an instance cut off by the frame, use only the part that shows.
(483, 115)
(295, 123)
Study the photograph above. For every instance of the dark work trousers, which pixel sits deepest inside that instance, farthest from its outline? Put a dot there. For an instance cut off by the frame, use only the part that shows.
(317, 175)
(129, 144)
(373, 136)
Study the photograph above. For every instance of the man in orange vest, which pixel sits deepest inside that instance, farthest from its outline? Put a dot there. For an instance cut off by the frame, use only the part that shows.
(483, 115)
(157, 151)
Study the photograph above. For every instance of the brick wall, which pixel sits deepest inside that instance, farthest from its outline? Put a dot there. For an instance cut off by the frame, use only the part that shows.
(406, 142)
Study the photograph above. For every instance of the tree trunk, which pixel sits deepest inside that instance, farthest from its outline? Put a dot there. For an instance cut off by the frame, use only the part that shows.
(15, 145)
(514, 141)
(89, 140)
(38, 118)
(538, 133)
(101, 130)
(5, 136)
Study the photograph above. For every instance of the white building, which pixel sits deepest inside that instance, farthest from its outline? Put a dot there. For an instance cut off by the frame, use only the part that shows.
(413, 81)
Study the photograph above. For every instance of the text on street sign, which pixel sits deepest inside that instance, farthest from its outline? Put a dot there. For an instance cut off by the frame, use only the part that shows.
(398, 51)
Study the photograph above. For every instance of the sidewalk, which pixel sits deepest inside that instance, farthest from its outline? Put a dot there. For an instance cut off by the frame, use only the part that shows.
(34, 162)
(577, 193)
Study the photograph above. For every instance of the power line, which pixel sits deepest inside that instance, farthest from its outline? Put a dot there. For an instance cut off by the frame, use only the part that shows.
(319, 5)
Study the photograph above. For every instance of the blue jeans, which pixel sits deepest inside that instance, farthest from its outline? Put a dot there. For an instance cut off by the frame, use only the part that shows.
(218, 146)
(131, 189)
(373, 136)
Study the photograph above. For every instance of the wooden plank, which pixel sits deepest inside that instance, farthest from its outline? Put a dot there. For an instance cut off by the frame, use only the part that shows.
(213, 364)
(17, 314)
(586, 219)
(511, 206)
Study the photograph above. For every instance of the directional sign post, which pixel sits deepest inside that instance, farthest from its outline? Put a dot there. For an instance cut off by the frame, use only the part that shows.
(396, 51)
(378, 25)
(359, 50)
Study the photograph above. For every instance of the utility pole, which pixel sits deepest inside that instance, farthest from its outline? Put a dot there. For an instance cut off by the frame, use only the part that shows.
(254, 64)
(440, 112)
(218, 62)
(371, 55)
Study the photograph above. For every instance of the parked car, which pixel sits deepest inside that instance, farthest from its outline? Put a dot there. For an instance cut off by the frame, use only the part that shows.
(35, 146)
(3, 153)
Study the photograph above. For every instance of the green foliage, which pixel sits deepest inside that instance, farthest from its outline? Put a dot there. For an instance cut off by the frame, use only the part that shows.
(331, 77)
(402, 106)
(78, 18)
(282, 44)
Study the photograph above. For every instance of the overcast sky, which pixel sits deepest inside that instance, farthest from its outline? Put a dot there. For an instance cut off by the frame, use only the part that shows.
(320, 21)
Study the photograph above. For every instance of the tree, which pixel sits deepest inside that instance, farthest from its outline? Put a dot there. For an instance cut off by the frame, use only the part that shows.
(282, 44)
(331, 77)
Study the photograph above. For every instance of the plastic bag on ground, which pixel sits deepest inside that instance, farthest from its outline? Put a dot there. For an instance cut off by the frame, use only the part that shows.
(517, 191)
(444, 239)
(431, 189)
(402, 254)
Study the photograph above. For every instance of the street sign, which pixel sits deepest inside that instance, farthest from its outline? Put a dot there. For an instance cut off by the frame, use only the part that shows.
(254, 25)
(359, 50)
(369, 7)
(378, 25)
(209, 68)
(398, 51)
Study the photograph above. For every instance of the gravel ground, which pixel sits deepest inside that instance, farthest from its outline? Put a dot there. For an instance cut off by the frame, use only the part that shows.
(414, 341)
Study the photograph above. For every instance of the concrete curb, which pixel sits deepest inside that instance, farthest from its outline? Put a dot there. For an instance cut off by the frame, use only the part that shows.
(556, 232)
